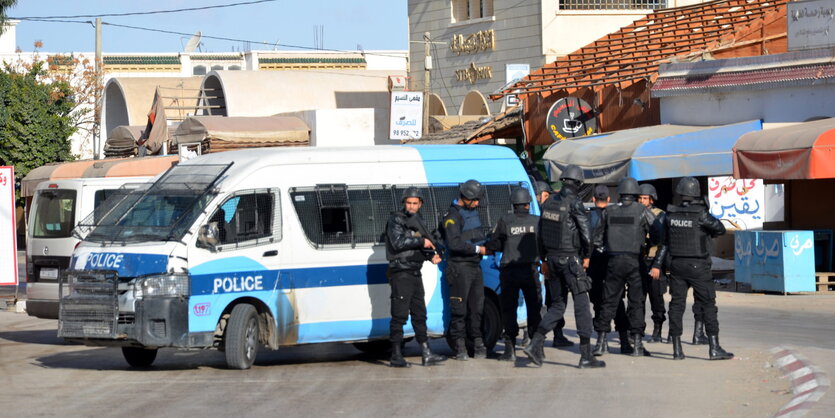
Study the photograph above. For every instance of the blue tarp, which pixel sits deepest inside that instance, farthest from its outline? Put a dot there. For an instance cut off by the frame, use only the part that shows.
(652, 152)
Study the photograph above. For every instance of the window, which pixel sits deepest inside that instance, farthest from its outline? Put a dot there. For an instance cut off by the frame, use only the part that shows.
(248, 218)
(217, 67)
(463, 10)
(199, 70)
(357, 214)
(612, 4)
(55, 216)
(234, 68)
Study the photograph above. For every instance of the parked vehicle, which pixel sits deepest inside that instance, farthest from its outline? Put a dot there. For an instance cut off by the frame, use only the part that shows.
(272, 247)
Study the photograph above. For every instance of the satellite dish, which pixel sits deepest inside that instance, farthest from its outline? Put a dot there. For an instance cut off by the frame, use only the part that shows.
(193, 43)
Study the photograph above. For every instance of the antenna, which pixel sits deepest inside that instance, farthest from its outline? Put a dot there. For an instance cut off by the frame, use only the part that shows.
(193, 43)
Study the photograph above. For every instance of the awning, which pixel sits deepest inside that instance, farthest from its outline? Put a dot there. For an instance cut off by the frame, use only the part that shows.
(220, 133)
(802, 151)
(110, 167)
(652, 152)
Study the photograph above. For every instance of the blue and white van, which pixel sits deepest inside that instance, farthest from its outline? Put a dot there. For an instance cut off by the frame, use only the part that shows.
(273, 247)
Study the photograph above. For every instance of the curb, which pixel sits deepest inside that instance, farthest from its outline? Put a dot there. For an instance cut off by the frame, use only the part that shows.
(809, 383)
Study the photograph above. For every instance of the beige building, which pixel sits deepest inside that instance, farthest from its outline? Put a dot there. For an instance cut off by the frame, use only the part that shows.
(477, 46)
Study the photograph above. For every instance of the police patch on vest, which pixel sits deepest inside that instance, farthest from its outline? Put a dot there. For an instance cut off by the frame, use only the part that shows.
(681, 223)
(551, 216)
(517, 230)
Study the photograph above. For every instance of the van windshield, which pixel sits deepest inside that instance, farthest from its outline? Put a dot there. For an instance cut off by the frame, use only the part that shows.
(55, 213)
(162, 211)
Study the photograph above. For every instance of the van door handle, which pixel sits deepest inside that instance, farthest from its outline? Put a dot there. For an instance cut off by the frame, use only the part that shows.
(271, 253)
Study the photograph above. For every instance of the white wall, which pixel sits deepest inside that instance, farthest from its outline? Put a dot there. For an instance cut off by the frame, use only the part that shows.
(339, 127)
(8, 40)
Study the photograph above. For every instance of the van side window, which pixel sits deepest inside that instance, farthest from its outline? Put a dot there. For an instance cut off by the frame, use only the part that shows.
(250, 217)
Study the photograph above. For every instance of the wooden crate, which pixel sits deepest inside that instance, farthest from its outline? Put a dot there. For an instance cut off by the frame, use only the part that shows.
(825, 282)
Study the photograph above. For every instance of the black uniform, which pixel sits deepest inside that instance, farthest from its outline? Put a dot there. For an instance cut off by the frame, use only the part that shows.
(565, 237)
(689, 229)
(654, 289)
(515, 236)
(405, 253)
(463, 233)
(597, 270)
(627, 226)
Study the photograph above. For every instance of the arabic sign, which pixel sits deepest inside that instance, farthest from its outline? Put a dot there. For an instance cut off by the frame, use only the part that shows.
(8, 239)
(739, 202)
(570, 117)
(406, 115)
(811, 24)
(483, 40)
(780, 261)
(513, 73)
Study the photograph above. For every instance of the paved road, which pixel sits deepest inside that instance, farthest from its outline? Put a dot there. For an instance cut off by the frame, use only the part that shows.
(335, 379)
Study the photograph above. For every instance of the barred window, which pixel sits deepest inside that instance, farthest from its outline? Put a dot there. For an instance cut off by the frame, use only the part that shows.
(248, 218)
(463, 10)
(336, 214)
(612, 4)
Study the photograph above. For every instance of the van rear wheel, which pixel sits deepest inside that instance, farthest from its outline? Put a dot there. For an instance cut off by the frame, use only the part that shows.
(241, 337)
(139, 357)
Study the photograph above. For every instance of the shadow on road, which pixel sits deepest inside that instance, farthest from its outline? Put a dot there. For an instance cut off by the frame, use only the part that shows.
(47, 336)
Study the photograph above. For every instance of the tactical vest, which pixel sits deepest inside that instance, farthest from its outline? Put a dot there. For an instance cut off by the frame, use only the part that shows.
(686, 237)
(520, 245)
(558, 230)
(471, 230)
(623, 228)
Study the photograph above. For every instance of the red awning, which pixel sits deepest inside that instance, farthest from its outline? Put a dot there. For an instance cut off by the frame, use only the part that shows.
(802, 151)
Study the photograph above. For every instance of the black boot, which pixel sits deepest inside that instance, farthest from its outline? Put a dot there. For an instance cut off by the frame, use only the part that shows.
(587, 360)
(678, 354)
(534, 349)
(479, 350)
(560, 340)
(716, 351)
(638, 346)
(656, 332)
(427, 357)
(509, 350)
(625, 346)
(397, 359)
(699, 337)
(601, 347)
(526, 339)
(669, 337)
(461, 350)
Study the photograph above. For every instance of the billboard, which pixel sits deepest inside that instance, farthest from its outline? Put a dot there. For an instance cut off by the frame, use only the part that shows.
(406, 115)
(8, 239)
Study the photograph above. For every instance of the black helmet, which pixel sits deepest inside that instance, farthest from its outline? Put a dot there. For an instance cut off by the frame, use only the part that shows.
(411, 192)
(688, 186)
(543, 186)
(649, 190)
(471, 189)
(520, 196)
(628, 186)
(572, 172)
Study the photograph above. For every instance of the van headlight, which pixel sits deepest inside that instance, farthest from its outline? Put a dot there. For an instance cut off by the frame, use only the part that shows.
(162, 285)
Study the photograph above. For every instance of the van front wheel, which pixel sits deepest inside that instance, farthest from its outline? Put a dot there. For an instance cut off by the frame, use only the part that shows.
(242, 337)
(139, 357)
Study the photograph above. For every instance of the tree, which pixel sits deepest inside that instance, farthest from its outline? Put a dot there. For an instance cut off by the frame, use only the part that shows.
(4, 5)
(36, 118)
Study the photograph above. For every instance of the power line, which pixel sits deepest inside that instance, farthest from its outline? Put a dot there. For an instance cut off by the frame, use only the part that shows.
(154, 12)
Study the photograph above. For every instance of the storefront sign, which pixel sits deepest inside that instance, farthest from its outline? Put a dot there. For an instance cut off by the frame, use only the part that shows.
(811, 24)
(740, 203)
(473, 73)
(406, 115)
(514, 73)
(8, 236)
(484, 40)
(570, 117)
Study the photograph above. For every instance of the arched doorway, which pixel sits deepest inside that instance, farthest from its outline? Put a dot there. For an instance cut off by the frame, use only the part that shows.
(436, 105)
(474, 104)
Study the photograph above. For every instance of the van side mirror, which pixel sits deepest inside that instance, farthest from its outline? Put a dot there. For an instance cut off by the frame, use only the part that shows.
(208, 236)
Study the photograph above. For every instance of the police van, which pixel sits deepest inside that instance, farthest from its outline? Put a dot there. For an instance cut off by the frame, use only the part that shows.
(271, 247)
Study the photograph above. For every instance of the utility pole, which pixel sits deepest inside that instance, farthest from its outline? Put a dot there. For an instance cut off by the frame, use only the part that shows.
(427, 66)
(97, 94)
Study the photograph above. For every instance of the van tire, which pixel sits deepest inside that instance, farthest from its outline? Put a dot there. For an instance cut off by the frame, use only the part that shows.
(241, 338)
(491, 326)
(139, 357)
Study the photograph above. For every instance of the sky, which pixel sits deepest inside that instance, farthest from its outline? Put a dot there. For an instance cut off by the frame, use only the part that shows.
(347, 25)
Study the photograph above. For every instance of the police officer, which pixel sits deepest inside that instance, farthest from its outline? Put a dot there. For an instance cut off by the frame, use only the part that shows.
(465, 241)
(654, 289)
(597, 270)
(566, 241)
(689, 229)
(544, 192)
(627, 225)
(515, 235)
(408, 245)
